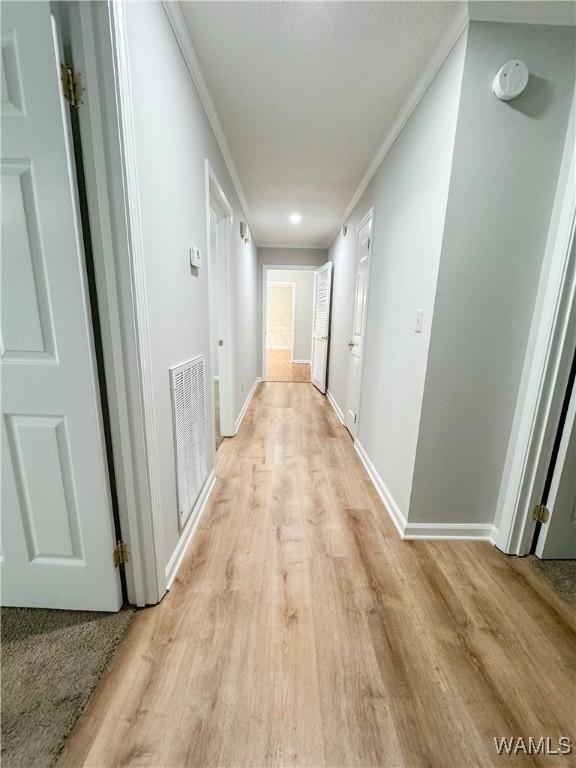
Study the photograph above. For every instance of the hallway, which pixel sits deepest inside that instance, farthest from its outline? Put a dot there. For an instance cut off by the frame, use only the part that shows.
(302, 631)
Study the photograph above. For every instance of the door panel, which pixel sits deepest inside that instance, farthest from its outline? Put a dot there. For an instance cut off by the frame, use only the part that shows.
(321, 325)
(557, 537)
(57, 529)
(356, 344)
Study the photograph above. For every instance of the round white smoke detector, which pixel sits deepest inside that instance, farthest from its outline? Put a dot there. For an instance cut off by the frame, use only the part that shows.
(510, 80)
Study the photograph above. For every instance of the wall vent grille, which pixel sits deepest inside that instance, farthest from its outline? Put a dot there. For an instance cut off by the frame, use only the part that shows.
(187, 383)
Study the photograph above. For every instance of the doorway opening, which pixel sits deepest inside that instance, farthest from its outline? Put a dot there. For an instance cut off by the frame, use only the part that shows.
(289, 304)
(219, 239)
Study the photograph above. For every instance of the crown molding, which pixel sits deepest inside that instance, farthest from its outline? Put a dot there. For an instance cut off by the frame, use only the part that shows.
(447, 42)
(182, 34)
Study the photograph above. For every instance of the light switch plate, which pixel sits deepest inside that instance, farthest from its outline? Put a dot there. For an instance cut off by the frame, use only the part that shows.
(419, 321)
(195, 257)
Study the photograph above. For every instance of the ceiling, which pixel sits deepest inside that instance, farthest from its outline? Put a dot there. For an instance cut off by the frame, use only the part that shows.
(306, 93)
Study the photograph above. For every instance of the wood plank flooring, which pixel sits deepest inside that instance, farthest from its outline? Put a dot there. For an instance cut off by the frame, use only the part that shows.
(279, 367)
(302, 632)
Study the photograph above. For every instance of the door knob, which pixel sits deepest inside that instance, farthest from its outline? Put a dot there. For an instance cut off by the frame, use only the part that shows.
(350, 343)
(220, 342)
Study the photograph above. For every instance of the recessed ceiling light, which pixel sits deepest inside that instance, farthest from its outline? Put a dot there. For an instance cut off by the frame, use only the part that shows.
(295, 218)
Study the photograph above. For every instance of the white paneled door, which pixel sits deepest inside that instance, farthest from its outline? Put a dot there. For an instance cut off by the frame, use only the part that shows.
(57, 529)
(321, 325)
(356, 343)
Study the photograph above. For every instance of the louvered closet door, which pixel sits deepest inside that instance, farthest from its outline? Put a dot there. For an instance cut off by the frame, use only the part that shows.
(321, 325)
(57, 531)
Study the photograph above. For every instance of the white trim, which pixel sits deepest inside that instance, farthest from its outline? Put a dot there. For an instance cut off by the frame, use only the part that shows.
(437, 59)
(545, 369)
(426, 531)
(247, 402)
(182, 34)
(449, 531)
(189, 530)
(215, 197)
(388, 500)
(105, 245)
(147, 534)
(301, 362)
(335, 406)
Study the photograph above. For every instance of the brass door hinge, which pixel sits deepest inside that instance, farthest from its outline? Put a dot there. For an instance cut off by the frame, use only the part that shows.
(72, 85)
(541, 513)
(120, 554)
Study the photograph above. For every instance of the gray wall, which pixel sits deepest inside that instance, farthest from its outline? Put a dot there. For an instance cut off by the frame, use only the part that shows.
(314, 257)
(505, 170)
(171, 145)
(409, 194)
(303, 305)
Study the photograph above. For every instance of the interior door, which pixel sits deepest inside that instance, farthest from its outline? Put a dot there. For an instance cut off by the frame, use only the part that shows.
(356, 343)
(321, 325)
(557, 537)
(57, 529)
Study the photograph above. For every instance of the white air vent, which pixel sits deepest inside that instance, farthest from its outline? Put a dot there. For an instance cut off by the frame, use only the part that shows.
(190, 432)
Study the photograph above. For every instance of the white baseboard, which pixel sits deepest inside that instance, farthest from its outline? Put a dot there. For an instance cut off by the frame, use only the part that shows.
(335, 406)
(426, 531)
(447, 531)
(188, 532)
(242, 413)
(388, 500)
(301, 362)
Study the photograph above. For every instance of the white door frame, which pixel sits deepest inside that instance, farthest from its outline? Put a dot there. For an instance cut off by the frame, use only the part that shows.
(545, 373)
(216, 198)
(99, 47)
(265, 269)
(369, 215)
(293, 287)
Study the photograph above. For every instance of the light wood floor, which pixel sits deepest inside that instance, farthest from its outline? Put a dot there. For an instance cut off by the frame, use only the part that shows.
(302, 631)
(279, 367)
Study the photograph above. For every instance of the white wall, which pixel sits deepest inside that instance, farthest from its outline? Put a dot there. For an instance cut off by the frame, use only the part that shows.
(313, 257)
(173, 138)
(505, 170)
(303, 305)
(409, 194)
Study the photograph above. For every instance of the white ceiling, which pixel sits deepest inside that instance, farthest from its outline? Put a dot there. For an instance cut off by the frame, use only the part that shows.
(306, 92)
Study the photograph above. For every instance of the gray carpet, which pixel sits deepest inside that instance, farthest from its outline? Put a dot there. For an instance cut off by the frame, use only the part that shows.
(562, 574)
(51, 662)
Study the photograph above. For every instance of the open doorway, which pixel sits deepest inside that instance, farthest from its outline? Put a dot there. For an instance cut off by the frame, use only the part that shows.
(288, 316)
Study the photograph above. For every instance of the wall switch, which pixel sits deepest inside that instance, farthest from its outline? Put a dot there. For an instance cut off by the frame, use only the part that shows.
(419, 321)
(195, 257)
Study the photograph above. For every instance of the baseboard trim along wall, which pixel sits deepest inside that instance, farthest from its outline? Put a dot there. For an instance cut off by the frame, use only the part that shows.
(335, 406)
(443, 531)
(302, 362)
(428, 531)
(189, 529)
(247, 403)
(388, 500)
